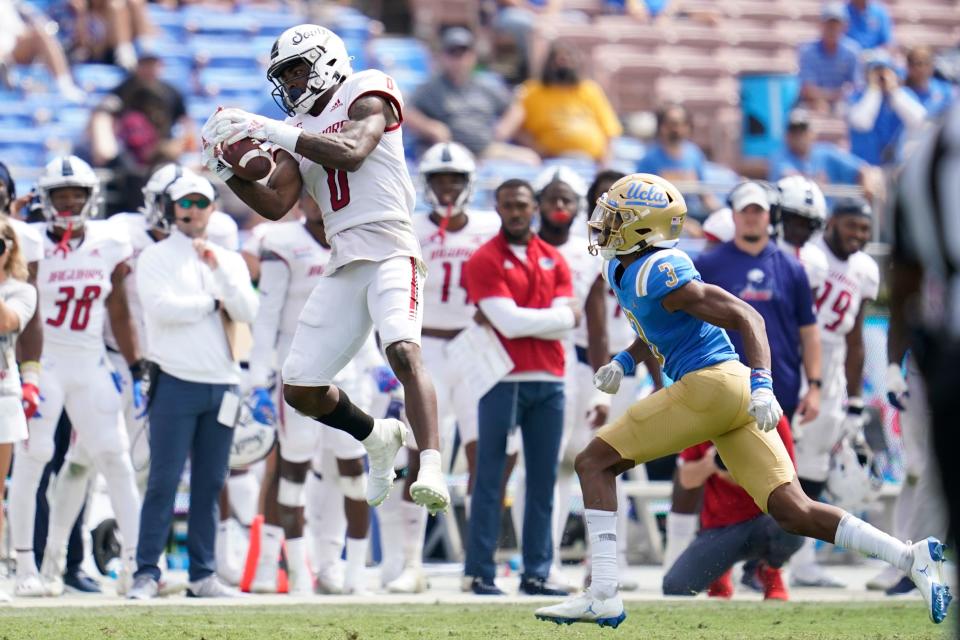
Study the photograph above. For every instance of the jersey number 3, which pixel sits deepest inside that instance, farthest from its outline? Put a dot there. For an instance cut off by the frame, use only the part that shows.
(339, 188)
(81, 306)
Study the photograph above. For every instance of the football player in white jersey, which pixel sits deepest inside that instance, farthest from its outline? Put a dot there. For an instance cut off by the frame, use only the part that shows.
(803, 211)
(293, 257)
(342, 142)
(853, 280)
(80, 284)
(449, 235)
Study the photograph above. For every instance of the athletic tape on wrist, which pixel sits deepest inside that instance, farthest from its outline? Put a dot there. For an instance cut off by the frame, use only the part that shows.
(761, 379)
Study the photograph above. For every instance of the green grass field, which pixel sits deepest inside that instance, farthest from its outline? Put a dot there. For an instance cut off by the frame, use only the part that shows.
(649, 621)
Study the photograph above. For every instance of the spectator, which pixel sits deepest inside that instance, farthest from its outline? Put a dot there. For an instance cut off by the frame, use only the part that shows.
(934, 94)
(523, 289)
(561, 114)
(830, 66)
(675, 157)
(880, 113)
(190, 290)
(869, 24)
(458, 104)
(732, 528)
(101, 31)
(26, 37)
(822, 162)
(752, 267)
(18, 301)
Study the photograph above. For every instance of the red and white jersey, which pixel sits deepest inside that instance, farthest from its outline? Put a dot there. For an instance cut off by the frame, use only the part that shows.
(381, 189)
(813, 259)
(74, 283)
(445, 304)
(291, 263)
(584, 271)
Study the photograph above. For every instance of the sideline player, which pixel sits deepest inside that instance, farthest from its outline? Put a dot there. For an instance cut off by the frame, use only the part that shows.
(342, 142)
(635, 226)
(80, 285)
(803, 210)
(853, 280)
(293, 257)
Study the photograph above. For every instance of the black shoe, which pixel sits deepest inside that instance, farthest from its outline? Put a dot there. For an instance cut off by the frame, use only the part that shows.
(485, 587)
(904, 586)
(540, 587)
(79, 582)
(751, 576)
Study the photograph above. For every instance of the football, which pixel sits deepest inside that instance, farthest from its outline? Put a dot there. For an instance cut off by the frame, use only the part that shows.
(248, 160)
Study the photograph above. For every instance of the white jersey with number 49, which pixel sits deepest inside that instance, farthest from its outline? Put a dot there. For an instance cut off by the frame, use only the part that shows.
(849, 282)
(380, 190)
(445, 304)
(584, 271)
(74, 282)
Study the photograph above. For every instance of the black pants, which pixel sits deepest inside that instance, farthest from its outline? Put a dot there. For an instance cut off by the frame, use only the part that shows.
(61, 442)
(715, 550)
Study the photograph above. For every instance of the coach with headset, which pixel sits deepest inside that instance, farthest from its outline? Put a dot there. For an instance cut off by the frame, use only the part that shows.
(191, 290)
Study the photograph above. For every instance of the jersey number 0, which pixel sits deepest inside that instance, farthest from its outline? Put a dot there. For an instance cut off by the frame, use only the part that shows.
(339, 188)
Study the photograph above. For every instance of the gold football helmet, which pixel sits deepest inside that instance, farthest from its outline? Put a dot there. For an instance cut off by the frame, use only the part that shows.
(639, 211)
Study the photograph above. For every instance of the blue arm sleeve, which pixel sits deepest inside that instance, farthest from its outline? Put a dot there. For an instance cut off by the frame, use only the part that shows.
(665, 273)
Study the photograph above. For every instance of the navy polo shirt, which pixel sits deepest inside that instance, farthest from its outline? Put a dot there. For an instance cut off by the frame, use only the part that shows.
(776, 285)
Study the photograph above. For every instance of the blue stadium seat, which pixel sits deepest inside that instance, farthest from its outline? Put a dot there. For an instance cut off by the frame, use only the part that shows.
(583, 167)
(395, 52)
(627, 150)
(229, 54)
(98, 77)
(208, 22)
(232, 81)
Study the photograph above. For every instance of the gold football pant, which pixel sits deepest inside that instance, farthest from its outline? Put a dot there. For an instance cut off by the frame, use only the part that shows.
(707, 404)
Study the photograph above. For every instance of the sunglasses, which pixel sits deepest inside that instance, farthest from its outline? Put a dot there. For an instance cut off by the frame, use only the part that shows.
(200, 203)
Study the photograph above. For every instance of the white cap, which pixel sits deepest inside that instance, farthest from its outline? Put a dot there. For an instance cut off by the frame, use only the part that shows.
(750, 193)
(191, 183)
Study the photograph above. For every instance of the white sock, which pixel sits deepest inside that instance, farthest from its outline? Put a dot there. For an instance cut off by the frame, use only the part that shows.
(271, 537)
(681, 530)
(430, 458)
(244, 494)
(297, 558)
(414, 529)
(26, 563)
(854, 533)
(602, 531)
(356, 562)
(23, 498)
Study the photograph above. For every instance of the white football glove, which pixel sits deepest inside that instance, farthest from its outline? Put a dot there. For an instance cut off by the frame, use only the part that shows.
(765, 409)
(608, 377)
(852, 424)
(896, 386)
(210, 154)
(233, 125)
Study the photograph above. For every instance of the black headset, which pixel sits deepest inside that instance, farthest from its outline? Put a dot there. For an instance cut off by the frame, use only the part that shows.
(168, 209)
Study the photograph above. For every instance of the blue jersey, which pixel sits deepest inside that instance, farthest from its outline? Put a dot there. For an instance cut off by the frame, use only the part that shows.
(679, 341)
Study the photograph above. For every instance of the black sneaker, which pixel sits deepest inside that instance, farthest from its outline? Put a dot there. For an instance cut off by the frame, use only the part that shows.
(79, 582)
(751, 576)
(485, 587)
(540, 587)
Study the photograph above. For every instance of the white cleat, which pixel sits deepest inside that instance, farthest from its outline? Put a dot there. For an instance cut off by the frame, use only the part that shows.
(814, 576)
(51, 571)
(412, 580)
(927, 574)
(301, 583)
(430, 490)
(585, 608)
(4, 597)
(29, 585)
(383, 443)
(329, 580)
(264, 584)
(885, 579)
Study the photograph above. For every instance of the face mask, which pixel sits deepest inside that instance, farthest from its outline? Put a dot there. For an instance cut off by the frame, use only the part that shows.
(559, 216)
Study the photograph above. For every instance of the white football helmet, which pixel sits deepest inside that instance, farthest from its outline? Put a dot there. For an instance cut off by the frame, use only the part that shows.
(68, 171)
(854, 480)
(252, 440)
(156, 206)
(325, 54)
(567, 176)
(448, 157)
(800, 196)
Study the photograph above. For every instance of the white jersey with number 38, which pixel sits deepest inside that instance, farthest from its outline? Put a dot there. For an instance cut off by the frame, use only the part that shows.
(380, 190)
(444, 297)
(74, 282)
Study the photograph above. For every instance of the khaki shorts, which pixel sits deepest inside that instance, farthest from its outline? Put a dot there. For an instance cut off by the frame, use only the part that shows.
(708, 404)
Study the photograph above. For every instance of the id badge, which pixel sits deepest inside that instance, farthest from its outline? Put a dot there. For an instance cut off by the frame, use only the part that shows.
(229, 409)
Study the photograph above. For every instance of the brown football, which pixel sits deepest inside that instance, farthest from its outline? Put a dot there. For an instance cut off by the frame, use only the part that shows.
(248, 160)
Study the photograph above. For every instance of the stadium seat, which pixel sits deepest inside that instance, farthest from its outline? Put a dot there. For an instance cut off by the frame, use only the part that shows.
(98, 77)
(392, 53)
